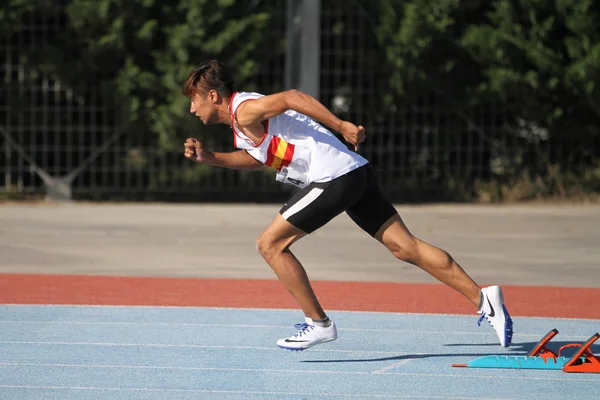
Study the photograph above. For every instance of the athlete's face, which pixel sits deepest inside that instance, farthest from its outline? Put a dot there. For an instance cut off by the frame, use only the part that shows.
(205, 107)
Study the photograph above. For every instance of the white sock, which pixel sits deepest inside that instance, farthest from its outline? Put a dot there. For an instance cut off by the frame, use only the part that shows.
(323, 323)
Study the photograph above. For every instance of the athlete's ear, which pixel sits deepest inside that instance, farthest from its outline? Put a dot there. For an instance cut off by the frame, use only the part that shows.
(213, 95)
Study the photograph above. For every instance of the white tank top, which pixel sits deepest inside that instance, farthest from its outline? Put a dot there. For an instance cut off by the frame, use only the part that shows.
(299, 148)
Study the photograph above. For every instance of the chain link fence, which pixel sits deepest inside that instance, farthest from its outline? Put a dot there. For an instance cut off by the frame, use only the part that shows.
(70, 145)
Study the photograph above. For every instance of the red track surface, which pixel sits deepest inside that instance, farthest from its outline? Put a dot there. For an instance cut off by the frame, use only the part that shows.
(355, 296)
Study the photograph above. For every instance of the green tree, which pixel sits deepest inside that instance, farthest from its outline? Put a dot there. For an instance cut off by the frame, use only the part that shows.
(133, 57)
(143, 50)
(537, 61)
(545, 53)
(138, 52)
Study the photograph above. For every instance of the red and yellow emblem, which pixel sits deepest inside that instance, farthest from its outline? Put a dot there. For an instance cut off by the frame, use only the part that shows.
(280, 153)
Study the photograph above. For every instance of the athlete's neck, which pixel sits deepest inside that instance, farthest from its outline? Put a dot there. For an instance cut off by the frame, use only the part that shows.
(224, 112)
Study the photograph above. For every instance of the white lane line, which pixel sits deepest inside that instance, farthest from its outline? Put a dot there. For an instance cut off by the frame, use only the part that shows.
(247, 392)
(8, 364)
(201, 346)
(296, 372)
(245, 326)
(188, 308)
(392, 366)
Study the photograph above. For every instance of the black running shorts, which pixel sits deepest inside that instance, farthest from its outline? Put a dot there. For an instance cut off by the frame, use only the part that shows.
(356, 192)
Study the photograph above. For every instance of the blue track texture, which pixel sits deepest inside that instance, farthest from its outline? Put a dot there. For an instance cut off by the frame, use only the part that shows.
(99, 352)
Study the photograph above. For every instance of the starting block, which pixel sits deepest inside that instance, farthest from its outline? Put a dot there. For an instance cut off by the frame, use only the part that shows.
(541, 357)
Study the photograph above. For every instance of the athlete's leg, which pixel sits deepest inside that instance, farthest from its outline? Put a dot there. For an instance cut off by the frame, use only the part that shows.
(308, 210)
(437, 262)
(274, 246)
(377, 216)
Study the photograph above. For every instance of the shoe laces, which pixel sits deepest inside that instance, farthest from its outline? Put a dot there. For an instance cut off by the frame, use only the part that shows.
(303, 329)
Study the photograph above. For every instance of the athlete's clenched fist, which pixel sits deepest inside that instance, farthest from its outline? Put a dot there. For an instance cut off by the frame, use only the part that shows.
(194, 150)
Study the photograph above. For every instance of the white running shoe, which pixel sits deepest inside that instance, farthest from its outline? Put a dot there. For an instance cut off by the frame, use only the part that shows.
(494, 310)
(308, 335)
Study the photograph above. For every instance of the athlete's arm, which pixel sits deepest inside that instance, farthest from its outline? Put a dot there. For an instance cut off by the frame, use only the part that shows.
(257, 110)
(235, 160)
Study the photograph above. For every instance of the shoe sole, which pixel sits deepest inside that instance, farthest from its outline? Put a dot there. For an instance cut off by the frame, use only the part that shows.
(508, 327)
(305, 348)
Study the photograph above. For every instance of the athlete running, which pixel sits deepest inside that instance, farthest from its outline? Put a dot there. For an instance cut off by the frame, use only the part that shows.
(286, 131)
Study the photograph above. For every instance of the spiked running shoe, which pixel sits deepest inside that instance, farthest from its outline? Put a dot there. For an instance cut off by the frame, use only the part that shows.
(494, 310)
(308, 335)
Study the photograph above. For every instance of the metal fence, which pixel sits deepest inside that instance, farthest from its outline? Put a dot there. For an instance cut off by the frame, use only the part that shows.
(48, 134)
(62, 146)
(67, 145)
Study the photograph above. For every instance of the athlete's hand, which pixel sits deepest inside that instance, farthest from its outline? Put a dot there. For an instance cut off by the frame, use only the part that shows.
(353, 134)
(194, 150)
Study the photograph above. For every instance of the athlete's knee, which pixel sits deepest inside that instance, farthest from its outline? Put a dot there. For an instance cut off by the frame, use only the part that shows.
(405, 250)
(266, 246)
(263, 246)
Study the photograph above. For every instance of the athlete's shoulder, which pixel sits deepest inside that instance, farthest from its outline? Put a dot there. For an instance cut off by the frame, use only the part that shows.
(238, 97)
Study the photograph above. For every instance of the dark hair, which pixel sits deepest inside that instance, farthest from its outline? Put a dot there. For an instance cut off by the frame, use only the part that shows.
(212, 74)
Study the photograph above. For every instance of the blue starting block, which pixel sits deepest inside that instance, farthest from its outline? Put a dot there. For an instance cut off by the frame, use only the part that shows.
(541, 357)
(518, 362)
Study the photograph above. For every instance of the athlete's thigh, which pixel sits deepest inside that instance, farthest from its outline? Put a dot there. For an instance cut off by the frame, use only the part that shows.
(281, 233)
(317, 204)
(372, 211)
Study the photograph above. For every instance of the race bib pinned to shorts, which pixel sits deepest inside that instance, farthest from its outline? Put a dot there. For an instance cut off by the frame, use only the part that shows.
(291, 177)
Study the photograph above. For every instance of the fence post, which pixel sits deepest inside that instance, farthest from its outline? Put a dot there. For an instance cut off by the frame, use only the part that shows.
(303, 53)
